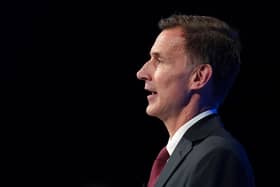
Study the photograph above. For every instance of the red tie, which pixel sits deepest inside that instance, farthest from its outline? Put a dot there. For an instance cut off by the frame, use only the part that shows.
(158, 166)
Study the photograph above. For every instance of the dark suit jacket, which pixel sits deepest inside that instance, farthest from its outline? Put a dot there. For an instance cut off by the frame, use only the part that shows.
(207, 156)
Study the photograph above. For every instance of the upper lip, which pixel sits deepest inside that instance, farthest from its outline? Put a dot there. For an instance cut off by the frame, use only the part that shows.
(150, 89)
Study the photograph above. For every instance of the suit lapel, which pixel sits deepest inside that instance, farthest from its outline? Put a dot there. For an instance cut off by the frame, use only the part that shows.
(201, 130)
(182, 150)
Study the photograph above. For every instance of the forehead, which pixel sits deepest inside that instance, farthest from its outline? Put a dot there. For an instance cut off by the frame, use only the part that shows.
(169, 39)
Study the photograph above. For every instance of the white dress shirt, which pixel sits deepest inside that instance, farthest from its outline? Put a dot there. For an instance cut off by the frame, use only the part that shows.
(173, 141)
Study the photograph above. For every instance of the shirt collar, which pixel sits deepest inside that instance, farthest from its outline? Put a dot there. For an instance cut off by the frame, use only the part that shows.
(174, 140)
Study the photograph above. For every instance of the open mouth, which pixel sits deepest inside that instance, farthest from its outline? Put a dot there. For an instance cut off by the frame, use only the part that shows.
(151, 92)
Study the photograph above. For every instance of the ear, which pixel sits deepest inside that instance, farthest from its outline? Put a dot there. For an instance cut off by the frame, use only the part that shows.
(200, 76)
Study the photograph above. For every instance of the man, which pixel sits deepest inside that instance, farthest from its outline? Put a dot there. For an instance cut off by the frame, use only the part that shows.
(193, 63)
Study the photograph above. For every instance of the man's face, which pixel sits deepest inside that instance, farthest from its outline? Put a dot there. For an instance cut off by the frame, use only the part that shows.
(166, 75)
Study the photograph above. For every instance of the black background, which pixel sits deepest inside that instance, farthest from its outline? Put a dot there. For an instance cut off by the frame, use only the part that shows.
(74, 112)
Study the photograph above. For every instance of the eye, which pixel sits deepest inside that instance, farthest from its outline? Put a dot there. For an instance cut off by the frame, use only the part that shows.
(158, 60)
(155, 61)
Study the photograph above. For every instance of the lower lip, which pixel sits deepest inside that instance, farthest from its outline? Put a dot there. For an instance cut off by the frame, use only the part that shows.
(151, 97)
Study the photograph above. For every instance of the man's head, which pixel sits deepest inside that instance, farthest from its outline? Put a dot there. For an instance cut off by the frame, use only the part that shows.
(210, 41)
(194, 61)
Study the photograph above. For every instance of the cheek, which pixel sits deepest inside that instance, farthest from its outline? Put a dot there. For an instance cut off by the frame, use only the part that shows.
(175, 86)
(162, 79)
(170, 78)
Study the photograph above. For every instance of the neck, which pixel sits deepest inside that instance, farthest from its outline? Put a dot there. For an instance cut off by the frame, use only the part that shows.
(173, 123)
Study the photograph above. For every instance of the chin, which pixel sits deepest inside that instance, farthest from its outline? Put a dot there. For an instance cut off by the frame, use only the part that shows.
(151, 112)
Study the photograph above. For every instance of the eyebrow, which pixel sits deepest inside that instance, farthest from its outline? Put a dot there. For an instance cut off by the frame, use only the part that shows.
(156, 54)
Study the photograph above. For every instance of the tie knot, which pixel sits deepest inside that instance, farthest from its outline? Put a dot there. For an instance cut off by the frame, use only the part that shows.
(163, 154)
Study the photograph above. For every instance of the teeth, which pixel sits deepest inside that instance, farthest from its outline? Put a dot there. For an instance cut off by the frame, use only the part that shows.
(151, 92)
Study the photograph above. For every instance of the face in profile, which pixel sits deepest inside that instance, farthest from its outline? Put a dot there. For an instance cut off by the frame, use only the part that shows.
(167, 75)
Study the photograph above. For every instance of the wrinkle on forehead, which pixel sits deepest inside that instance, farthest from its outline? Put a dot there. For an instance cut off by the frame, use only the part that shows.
(169, 40)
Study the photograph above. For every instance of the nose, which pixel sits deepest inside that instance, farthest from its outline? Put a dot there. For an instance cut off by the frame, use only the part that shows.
(139, 74)
(142, 74)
